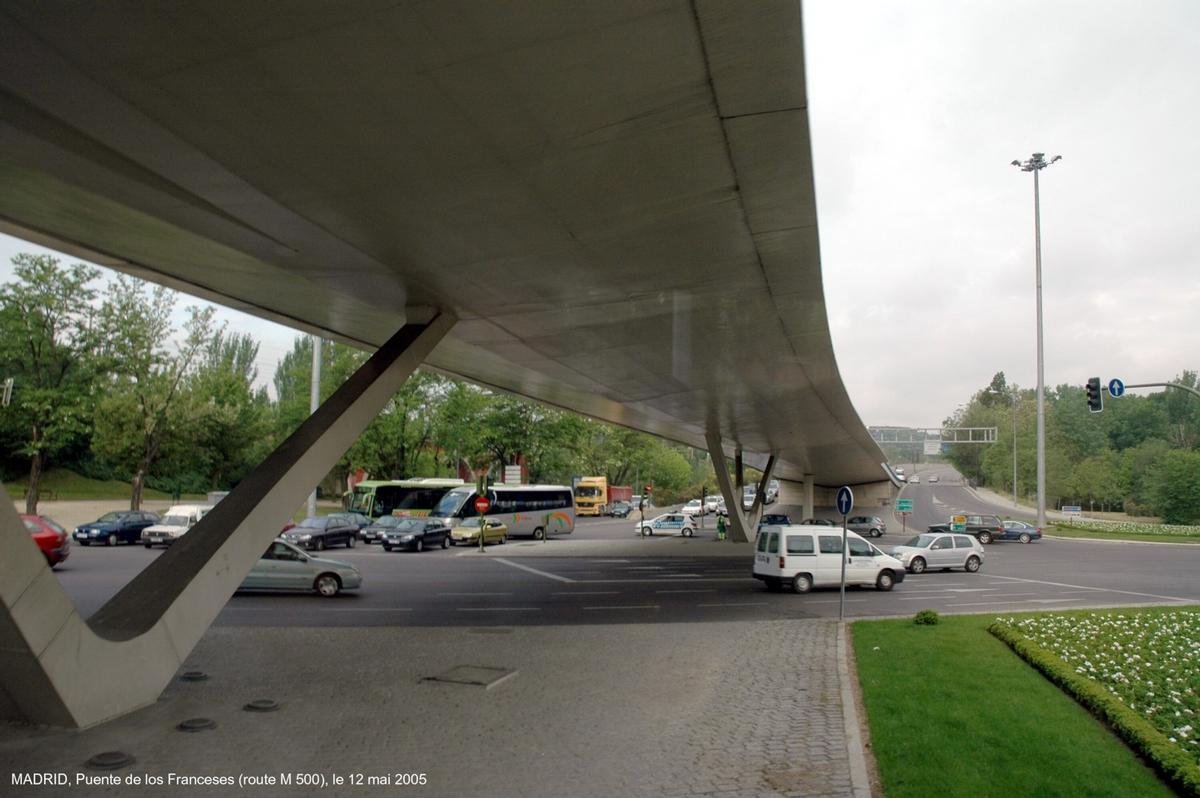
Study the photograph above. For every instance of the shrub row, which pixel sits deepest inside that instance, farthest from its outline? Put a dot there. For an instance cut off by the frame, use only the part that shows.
(1133, 527)
(1172, 763)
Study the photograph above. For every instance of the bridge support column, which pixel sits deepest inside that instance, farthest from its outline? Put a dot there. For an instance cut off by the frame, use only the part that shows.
(742, 523)
(808, 503)
(57, 669)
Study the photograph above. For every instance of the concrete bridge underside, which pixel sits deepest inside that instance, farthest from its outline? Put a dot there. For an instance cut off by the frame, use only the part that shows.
(614, 201)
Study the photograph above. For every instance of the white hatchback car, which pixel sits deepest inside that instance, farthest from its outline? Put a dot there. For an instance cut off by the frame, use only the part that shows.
(932, 550)
(806, 557)
(667, 524)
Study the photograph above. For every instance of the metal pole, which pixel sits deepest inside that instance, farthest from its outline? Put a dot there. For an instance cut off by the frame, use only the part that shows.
(1041, 375)
(314, 401)
(842, 594)
(1164, 385)
(1014, 409)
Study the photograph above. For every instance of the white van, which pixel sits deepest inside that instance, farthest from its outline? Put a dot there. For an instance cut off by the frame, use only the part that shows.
(173, 524)
(805, 557)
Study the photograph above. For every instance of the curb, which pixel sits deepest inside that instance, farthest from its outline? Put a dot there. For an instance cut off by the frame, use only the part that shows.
(1119, 542)
(860, 782)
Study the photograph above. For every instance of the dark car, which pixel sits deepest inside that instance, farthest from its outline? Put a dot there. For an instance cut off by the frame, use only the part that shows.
(817, 522)
(416, 534)
(119, 526)
(1019, 530)
(620, 509)
(51, 538)
(378, 528)
(321, 532)
(774, 519)
(356, 520)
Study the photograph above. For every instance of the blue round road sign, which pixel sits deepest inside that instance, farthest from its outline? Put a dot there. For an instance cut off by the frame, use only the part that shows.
(1115, 387)
(845, 500)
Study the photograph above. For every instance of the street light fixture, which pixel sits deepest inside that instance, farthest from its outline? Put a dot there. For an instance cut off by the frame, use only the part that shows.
(1035, 164)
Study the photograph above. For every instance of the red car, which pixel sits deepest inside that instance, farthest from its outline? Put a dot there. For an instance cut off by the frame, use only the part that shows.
(51, 538)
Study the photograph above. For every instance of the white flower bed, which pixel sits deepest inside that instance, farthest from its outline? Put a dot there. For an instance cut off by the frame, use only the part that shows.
(1149, 660)
(1133, 527)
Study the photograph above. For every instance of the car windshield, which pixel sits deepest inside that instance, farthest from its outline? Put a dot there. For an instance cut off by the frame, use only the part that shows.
(175, 520)
(921, 541)
(409, 525)
(313, 523)
(388, 520)
(109, 518)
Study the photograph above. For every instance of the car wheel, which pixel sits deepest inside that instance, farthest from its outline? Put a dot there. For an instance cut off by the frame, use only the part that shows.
(319, 544)
(350, 542)
(985, 538)
(801, 583)
(420, 545)
(647, 531)
(972, 564)
(327, 585)
(445, 541)
(539, 534)
(1025, 537)
(111, 540)
(84, 543)
(386, 547)
(147, 545)
(452, 543)
(885, 581)
(688, 531)
(503, 539)
(917, 566)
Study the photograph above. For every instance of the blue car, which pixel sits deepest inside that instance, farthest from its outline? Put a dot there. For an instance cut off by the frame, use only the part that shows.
(119, 526)
(1019, 530)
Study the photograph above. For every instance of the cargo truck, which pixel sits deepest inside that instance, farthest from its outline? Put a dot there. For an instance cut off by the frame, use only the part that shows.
(594, 496)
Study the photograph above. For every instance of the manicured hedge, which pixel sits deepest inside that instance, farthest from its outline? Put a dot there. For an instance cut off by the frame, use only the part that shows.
(1176, 766)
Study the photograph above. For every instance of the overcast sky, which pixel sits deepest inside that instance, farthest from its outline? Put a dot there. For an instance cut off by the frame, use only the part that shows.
(917, 110)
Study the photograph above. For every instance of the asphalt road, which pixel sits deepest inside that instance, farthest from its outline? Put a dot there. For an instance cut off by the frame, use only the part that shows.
(460, 587)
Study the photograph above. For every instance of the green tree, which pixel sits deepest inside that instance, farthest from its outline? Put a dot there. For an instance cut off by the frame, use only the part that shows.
(47, 348)
(142, 409)
(1178, 489)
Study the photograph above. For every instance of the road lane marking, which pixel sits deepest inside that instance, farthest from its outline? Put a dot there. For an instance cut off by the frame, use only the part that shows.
(738, 604)
(625, 607)
(546, 574)
(835, 601)
(1019, 601)
(585, 593)
(474, 594)
(661, 581)
(698, 590)
(1102, 589)
(497, 609)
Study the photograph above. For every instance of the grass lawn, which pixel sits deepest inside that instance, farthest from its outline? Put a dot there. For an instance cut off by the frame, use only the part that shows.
(953, 711)
(1068, 531)
(69, 486)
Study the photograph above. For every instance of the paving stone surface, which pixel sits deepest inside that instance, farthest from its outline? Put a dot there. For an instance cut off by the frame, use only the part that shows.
(685, 709)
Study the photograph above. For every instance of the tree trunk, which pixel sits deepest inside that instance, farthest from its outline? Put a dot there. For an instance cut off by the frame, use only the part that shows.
(35, 481)
(139, 479)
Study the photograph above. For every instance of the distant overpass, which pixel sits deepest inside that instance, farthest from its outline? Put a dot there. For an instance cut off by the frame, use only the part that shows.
(605, 207)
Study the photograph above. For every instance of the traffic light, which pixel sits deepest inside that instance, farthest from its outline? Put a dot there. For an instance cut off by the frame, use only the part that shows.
(1094, 397)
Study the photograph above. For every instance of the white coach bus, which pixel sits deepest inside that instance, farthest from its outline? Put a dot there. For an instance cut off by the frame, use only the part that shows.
(533, 510)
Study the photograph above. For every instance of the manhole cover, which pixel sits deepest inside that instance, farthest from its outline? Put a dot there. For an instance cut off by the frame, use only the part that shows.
(196, 725)
(474, 675)
(110, 760)
(262, 705)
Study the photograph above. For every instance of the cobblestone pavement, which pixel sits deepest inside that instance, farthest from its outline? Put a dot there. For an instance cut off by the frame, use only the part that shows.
(679, 709)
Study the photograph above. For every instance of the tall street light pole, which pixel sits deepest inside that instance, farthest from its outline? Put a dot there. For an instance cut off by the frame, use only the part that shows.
(1035, 164)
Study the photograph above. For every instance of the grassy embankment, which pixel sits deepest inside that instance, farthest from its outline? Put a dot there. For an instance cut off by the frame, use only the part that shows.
(953, 711)
(60, 484)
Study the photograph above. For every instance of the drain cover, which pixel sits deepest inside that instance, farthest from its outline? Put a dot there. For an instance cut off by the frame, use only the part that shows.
(262, 705)
(194, 676)
(197, 724)
(474, 675)
(110, 760)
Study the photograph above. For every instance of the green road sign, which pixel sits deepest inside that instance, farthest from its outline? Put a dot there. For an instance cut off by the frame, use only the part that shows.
(904, 505)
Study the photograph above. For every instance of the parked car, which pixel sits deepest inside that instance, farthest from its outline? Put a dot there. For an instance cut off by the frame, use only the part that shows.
(356, 520)
(620, 509)
(808, 558)
(416, 534)
(694, 507)
(945, 551)
(285, 567)
(378, 528)
(667, 524)
(1019, 530)
(119, 526)
(818, 522)
(774, 519)
(174, 523)
(869, 525)
(320, 532)
(51, 538)
(494, 532)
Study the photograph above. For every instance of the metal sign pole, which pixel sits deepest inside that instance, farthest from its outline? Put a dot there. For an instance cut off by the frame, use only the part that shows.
(842, 595)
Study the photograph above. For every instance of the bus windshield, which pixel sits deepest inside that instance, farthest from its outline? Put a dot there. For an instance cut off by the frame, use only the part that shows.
(451, 503)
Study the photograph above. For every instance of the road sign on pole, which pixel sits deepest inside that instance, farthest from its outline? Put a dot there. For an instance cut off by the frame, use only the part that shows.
(1116, 387)
(481, 506)
(845, 500)
(845, 503)
(904, 505)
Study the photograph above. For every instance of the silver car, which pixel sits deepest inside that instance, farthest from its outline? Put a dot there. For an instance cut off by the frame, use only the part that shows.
(285, 567)
(945, 551)
(869, 526)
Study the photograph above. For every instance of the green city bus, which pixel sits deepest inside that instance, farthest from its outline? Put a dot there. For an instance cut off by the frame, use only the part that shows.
(403, 497)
